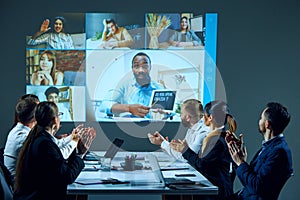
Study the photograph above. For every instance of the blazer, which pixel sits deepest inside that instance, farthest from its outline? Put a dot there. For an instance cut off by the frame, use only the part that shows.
(45, 172)
(268, 171)
(215, 165)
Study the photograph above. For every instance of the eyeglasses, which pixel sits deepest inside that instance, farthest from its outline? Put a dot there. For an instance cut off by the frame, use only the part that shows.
(59, 114)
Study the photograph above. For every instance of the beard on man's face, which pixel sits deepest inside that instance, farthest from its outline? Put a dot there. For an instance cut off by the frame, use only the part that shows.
(185, 123)
(261, 130)
(142, 78)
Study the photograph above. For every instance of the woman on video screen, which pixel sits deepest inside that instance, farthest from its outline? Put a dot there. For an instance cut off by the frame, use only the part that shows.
(47, 73)
(184, 37)
(56, 39)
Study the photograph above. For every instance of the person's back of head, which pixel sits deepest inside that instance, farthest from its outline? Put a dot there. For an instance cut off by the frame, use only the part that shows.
(194, 108)
(221, 114)
(25, 109)
(278, 116)
(25, 96)
(45, 112)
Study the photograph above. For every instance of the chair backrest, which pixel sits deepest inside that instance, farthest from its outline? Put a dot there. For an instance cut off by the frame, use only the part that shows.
(284, 183)
(6, 192)
(2, 154)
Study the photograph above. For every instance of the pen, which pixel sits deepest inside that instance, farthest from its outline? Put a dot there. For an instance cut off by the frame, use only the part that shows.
(154, 103)
(179, 175)
(173, 168)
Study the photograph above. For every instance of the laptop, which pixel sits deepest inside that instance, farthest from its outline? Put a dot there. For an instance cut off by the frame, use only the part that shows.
(110, 153)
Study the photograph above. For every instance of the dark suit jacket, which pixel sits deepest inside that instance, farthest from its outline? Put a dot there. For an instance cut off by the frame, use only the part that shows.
(215, 166)
(268, 171)
(45, 172)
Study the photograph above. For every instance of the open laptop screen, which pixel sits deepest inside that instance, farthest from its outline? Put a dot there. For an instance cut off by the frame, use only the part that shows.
(114, 148)
(110, 153)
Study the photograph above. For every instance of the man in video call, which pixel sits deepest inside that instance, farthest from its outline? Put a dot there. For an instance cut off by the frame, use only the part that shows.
(114, 36)
(132, 95)
(52, 94)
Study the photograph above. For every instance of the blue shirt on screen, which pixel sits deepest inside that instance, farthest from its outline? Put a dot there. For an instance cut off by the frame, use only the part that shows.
(128, 91)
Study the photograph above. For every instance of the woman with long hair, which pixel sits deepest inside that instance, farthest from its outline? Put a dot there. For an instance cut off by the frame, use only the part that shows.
(213, 160)
(184, 37)
(42, 172)
(47, 74)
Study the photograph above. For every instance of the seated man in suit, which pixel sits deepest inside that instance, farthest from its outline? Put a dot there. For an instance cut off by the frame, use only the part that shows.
(271, 167)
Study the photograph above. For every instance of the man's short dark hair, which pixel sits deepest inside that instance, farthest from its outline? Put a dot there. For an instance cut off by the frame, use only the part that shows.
(51, 90)
(25, 109)
(278, 115)
(110, 21)
(140, 54)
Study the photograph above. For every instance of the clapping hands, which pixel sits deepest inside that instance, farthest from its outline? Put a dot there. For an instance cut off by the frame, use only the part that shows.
(237, 151)
(157, 138)
(231, 137)
(84, 137)
(179, 145)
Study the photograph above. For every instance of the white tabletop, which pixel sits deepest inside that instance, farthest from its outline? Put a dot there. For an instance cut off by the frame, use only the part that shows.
(140, 181)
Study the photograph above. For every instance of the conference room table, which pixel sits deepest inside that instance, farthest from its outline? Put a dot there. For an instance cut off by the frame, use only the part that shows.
(154, 173)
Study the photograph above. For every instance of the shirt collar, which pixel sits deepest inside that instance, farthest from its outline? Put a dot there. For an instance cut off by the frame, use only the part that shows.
(198, 125)
(265, 143)
(52, 137)
(22, 126)
(220, 128)
(150, 86)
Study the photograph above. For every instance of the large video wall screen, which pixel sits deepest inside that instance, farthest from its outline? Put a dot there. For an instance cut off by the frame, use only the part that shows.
(110, 66)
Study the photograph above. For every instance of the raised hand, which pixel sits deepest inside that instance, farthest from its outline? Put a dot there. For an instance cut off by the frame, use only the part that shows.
(231, 137)
(48, 77)
(104, 23)
(78, 128)
(179, 145)
(45, 26)
(77, 132)
(156, 138)
(238, 155)
(86, 139)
